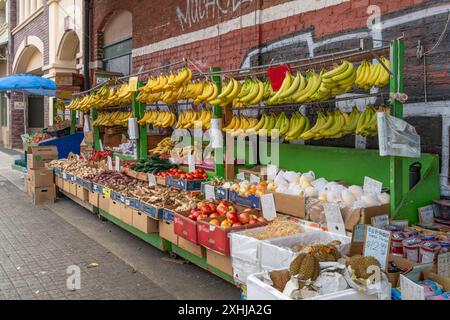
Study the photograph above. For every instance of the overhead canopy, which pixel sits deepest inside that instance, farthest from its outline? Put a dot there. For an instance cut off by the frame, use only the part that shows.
(28, 83)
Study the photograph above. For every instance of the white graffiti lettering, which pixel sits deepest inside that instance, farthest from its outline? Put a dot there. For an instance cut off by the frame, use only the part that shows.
(198, 10)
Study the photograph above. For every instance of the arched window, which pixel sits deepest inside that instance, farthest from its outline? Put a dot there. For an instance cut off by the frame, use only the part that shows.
(117, 43)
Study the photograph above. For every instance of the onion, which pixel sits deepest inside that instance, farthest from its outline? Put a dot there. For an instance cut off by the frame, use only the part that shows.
(311, 192)
(370, 200)
(356, 190)
(348, 197)
(290, 176)
(333, 196)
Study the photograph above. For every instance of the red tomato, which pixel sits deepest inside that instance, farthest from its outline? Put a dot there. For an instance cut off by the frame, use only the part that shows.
(204, 176)
(183, 176)
(200, 170)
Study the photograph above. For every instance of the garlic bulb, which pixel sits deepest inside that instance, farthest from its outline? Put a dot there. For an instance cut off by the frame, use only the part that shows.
(348, 197)
(311, 192)
(370, 200)
(333, 196)
(356, 190)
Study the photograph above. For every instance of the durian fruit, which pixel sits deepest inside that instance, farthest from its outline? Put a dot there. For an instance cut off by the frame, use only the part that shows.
(297, 248)
(324, 252)
(280, 278)
(305, 267)
(359, 265)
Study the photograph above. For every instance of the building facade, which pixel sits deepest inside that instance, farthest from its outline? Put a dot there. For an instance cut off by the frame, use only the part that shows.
(44, 40)
(242, 33)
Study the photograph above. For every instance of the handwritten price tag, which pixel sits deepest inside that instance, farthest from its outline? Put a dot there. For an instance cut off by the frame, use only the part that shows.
(380, 221)
(240, 176)
(151, 179)
(107, 192)
(443, 265)
(426, 215)
(117, 164)
(110, 166)
(132, 84)
(372, 185)
(400, 223)
(377, 245)
(254, 179)
(64, 176)
(411, 290)
(358, 233)
(209, 192)
(268, 206)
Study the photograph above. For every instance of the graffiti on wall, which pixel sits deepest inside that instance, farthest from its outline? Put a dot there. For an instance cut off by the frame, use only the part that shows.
(199, 10)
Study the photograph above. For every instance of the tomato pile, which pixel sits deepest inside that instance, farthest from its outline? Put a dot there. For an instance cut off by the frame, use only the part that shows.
(99, 155)
(170, 172)
(198, 174)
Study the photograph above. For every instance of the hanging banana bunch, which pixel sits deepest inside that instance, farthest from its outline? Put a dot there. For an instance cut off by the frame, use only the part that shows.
(156, 118)
(188, 119)
(373, 75)
(109, 119)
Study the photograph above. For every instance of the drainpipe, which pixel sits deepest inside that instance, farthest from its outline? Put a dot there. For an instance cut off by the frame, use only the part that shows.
(86, 43)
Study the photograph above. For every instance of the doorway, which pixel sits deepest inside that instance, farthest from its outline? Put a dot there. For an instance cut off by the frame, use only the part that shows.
(35, 112)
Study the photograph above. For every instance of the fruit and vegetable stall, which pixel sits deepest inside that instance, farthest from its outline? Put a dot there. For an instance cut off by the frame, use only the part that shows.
(322, 222)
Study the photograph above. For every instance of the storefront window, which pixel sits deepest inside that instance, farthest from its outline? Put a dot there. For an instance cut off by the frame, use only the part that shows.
(117, 57)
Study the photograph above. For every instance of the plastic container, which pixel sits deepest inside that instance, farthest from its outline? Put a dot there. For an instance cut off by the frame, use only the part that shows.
(411, 249)
(445, 246)
(428, 251)
(397, 243)
(428, 238)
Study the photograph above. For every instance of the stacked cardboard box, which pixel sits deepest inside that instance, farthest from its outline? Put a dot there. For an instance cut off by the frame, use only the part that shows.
(39, 182)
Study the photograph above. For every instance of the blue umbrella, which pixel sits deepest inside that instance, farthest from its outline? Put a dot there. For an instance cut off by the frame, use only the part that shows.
(28, 83)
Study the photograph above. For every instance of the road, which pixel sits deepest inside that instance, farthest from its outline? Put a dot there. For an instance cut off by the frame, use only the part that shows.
(42, 249)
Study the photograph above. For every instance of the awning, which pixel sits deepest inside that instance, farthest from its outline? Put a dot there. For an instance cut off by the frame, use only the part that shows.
(28, 83)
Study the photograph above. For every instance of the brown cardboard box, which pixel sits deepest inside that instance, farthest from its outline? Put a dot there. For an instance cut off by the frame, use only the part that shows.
(114, 208)
(219, 261)
(73, 188)
(37, 157)
(290, 204)
(166, 231)
(126, 214)
(143, 222)
(195, 249)
(403, 264)
(44, 195)
(41, 177)
(57, 181)
(259, 171)
(103, 203)
(82, 193)
(93, 198)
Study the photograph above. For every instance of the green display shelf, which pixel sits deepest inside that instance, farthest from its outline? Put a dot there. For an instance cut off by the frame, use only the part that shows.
(124, 156)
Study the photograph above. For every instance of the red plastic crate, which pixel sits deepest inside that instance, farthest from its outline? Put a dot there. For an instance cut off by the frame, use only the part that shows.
(185, 227)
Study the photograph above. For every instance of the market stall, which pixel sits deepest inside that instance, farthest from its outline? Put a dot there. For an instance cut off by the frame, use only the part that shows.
(305, 227)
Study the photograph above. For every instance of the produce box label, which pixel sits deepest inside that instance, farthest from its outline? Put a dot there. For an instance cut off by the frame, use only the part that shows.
(133, 203)
(167, 215)
(97, 188)
(154, 212)
(107, 193)
(250, 201)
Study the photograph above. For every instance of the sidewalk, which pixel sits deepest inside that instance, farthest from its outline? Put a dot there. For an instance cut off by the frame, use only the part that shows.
(38, 243)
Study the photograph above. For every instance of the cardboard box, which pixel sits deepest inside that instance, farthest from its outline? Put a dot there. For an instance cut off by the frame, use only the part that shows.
(195, 249)
(126, 214)
(103, 203)
(219, 261)
(363, 215)
(432, 275)
(44, 195)
(166, 231)
(73, 188)
(41, 177)
(82, 193)
(184, 227)
(58, 182)
(143, 222)
(259, 171)
(115, 208)
(93, 198)
(290, 204)
(403, 264)
(37, 157)
(66, 185)
(27, 185)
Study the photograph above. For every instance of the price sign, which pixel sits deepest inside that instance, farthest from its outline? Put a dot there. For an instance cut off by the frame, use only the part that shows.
(380, 221)
(268, 206)
(333, 215)
(132, 84)
(64, 176)
(400, 223)
(191, 163)
(110, 166)
(209, 192)
(272, 172)
(443, 265)
(411, 290)
(127, 202)
(426, 215)
(377, 245)
(73, 178)
(117, 164)
(240, 176)
(254, 179)
(358, 233)
(372, 185)
(151, 179)
(107, 192)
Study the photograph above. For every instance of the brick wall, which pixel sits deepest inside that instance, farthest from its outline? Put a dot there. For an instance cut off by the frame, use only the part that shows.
(239, 37)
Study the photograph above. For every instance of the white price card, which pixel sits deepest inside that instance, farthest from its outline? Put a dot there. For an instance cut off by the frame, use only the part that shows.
(443, 265)
(380, 221)
(272, 171)
(411, 290)
(358, 233)
(151, 179)
(377, 244)
(132, 83)
(117, 163)
(240, 176)
(333, 215)
(191, 163)
(100, 144)
(268, 206)
(400, 223)
(209, 192)
(372, 185)
(254, 179)
(426, 215)
(64, 176)
(110, 166)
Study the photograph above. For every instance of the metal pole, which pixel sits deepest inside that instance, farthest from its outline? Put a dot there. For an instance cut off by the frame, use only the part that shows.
(396, 85)
(219, 167)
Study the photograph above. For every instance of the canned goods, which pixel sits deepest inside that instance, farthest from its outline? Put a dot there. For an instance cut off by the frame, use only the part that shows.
(397, 243)
(428, 251)
(411, 249)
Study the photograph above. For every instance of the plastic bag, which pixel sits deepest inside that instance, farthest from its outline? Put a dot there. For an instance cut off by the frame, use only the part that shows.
(396, 137)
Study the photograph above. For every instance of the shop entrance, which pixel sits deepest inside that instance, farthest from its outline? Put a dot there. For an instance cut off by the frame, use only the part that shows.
(35, 112)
